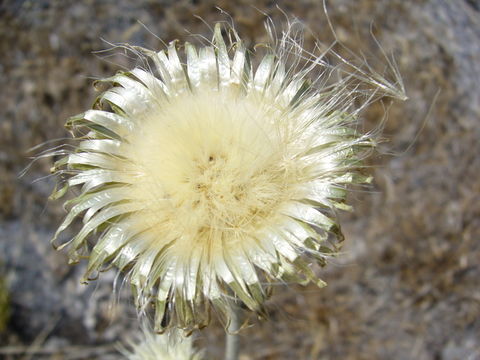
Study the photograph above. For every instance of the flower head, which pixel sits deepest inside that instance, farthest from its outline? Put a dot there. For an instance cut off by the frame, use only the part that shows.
(168, 346)
(208, 178)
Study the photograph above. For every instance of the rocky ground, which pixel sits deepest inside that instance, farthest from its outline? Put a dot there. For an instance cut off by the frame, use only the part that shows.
(407, 286)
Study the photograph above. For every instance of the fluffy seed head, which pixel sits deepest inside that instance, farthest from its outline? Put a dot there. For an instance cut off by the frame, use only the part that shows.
(169, 346)
(208, 178)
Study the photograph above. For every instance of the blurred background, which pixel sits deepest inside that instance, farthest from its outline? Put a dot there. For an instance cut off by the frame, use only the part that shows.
(407, 285)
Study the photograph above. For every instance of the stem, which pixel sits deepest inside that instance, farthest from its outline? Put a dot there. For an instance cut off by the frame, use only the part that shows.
(232, 340)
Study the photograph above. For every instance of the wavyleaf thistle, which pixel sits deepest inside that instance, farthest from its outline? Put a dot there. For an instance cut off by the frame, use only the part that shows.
(168, 346)
(208, 178)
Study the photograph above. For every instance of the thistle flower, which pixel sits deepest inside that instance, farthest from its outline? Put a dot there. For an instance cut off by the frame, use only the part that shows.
(168, 346)
(206, 181)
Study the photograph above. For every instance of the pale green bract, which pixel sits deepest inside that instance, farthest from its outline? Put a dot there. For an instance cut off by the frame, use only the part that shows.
(207, 181)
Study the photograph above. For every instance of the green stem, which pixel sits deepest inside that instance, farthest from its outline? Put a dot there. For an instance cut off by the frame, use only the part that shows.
(232, 340)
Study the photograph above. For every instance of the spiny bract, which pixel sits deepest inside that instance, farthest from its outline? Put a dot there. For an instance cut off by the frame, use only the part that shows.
(209, 180)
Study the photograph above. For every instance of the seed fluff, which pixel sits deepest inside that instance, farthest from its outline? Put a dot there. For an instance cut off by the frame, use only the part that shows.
(208, 178)
(169, 346)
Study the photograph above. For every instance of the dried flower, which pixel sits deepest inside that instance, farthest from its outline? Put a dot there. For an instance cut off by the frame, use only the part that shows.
(207, 180)
(169, 346)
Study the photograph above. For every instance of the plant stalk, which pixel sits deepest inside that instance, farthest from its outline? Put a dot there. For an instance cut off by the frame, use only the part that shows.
(232, 340)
